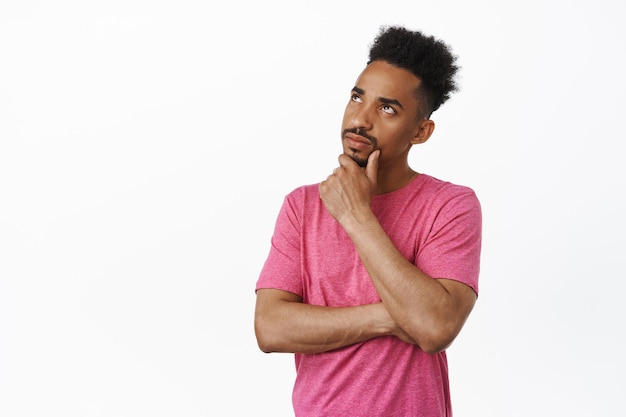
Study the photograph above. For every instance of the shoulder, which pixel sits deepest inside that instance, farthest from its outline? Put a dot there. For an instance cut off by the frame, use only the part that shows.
(442, 191)
(302, 198)
(303, 193)
(304, 190)
(434, 184)
(452, 202)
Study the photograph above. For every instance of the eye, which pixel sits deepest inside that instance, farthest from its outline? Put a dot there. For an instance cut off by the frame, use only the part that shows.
(355, 97)
(388, 109)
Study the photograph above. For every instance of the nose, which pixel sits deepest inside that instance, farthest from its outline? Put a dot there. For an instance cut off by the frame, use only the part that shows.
(362, 117)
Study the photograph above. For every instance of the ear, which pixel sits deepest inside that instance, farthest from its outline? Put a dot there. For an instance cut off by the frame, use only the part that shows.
(425, 128)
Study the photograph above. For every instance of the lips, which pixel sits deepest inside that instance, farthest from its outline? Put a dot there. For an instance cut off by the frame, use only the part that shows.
(356, 142)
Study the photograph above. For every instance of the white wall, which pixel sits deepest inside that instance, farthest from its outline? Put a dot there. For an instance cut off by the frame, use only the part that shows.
(145, 148)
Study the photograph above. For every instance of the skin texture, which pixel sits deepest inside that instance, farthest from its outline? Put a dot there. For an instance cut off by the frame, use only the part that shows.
(381, 122)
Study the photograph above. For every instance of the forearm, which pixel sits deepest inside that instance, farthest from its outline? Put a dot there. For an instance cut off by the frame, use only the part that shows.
(292, 326)
(419, 304)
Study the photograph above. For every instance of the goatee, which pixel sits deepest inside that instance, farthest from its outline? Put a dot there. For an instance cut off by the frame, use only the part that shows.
(362, 162)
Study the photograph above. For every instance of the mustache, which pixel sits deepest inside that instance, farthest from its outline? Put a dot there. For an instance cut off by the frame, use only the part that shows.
(357, 131)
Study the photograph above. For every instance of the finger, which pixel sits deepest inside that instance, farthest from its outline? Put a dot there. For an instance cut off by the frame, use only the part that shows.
(371, 170)
(345, 161)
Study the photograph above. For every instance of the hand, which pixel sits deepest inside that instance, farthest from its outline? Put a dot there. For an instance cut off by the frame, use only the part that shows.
(347, 192)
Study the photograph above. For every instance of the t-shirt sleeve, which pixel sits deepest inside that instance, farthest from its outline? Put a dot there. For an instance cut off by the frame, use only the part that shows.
(282, 268)
(452, 250)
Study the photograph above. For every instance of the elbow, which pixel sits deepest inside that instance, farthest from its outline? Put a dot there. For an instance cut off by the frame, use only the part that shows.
(437, 340)
(266, 338)
(265, 347)
(261, 338)
(271, 320)
(434, 347)
(262, 343)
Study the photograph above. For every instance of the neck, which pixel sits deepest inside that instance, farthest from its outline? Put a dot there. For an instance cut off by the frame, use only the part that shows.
(392, 180)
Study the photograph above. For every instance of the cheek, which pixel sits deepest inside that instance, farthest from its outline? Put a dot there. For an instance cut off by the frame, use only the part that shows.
(396, 140)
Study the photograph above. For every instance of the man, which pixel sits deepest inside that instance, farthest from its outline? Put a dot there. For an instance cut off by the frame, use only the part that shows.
(373, 272)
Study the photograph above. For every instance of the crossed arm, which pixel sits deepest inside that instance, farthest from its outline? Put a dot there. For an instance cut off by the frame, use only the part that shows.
(415, 307)
(284, 324)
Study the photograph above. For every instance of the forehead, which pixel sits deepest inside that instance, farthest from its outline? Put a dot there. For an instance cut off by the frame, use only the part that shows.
(381, 79)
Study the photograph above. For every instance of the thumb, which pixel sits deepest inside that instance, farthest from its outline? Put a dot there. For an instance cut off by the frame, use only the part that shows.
(371, 169)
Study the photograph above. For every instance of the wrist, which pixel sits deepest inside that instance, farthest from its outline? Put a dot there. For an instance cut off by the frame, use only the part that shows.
(357, 222)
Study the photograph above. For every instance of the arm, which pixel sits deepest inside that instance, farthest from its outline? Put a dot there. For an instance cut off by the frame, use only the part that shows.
(431, 311)
(283, 323)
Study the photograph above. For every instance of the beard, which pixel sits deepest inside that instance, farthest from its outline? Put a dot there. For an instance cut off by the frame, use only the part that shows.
(359, 159)
(362, 162)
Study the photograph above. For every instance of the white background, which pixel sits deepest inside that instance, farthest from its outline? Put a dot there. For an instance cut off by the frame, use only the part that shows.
(146, 146)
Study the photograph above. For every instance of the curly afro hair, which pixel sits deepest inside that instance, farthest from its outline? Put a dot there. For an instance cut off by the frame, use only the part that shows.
(430, 59)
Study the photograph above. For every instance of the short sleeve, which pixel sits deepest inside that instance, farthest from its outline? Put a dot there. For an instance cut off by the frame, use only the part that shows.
(452, 248)
(282, 268)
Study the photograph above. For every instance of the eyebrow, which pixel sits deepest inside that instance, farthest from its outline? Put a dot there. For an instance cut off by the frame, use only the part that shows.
(381, 99)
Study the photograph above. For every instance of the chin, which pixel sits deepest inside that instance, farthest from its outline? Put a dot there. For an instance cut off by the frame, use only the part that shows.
(362, 162)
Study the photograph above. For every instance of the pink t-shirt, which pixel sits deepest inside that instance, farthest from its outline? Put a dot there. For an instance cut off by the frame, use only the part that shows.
(437, 226)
